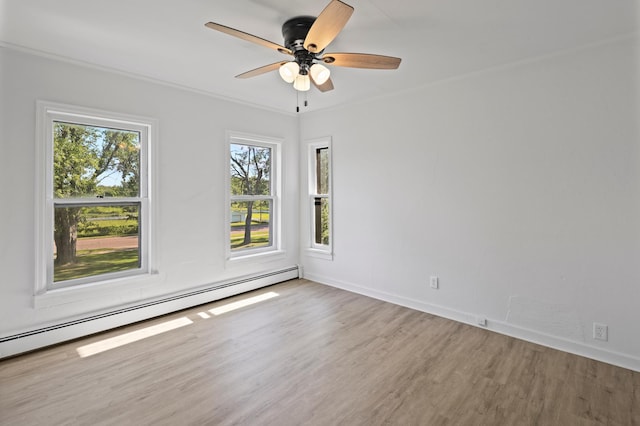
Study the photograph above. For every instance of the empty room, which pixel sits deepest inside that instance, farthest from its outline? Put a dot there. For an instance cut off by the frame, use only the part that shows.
(286, 212)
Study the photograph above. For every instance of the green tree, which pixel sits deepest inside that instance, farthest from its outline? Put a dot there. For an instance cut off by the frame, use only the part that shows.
(84, 157)
(321, 203)
(250, 175)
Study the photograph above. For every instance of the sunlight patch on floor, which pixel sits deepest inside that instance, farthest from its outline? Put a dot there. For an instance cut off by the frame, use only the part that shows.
(242, 303)
(133, 336)
(143, 333)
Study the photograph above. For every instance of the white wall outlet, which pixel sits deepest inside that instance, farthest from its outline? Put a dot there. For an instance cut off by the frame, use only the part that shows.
(433, 282)
(600, 331)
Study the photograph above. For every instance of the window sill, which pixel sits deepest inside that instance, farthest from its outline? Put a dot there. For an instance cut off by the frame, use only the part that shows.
(126, 288)
(319, 254)
(257, 257)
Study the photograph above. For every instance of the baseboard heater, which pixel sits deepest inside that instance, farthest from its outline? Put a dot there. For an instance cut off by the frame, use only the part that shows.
(67, 330)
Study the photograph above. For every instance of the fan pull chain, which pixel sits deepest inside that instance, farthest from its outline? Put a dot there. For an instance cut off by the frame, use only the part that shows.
(306, 102)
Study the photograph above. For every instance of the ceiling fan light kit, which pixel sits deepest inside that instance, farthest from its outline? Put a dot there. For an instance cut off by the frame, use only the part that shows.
(302, 83)
(305, 38)
(289, 71)
(319, 73)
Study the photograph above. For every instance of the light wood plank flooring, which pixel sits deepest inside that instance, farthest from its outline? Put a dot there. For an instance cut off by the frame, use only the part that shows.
(314, 355)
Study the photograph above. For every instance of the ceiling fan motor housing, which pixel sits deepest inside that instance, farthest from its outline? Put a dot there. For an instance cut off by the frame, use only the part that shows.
(295, 30)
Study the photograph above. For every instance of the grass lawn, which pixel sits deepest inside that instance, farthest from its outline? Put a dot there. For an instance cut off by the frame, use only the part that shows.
(96, 262)
(258, 238)
(114, 222)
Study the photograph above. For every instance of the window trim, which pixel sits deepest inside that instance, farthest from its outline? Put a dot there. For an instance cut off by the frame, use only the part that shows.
(46, 292)
(275, 144)
(324, 251)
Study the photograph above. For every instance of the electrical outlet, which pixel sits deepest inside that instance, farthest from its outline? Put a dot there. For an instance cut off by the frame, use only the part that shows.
(433, 282)
(600, 331)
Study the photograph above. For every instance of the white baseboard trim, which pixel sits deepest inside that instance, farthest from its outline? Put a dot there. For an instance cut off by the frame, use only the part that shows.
(498, 326)
(62, 331)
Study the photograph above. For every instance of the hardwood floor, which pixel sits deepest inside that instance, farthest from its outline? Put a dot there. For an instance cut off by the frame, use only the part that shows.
(312, 355)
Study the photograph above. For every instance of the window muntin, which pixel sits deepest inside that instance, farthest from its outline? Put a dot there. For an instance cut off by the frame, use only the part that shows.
(96, 205)
(253, 203)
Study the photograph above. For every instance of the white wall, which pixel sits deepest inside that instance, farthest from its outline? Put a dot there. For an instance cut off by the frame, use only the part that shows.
(518, 187)
(190, 189)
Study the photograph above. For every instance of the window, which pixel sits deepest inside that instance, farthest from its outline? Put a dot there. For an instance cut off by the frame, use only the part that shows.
(320, 195)
(253, 201)
(95, 211)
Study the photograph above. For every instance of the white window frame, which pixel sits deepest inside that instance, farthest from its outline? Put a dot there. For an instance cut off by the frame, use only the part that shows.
(248, 254)
(324, 251)
(46, 291)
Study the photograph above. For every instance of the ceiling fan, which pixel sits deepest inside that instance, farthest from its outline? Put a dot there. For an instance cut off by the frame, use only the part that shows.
(305, 38)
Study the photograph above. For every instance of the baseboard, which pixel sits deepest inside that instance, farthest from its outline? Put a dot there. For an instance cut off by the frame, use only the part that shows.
(59, 332)
(498, 326)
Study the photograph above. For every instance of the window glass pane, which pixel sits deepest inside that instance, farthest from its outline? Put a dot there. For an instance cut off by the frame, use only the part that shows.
(250, 224)
(321, 218)
(95, 240)
(322, 170)
(250, 170)
(95, 161)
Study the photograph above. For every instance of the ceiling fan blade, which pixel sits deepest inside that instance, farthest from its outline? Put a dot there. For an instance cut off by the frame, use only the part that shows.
(324, 87)
(261, 70)
(361, 60)
(248, 37)
(327, 26)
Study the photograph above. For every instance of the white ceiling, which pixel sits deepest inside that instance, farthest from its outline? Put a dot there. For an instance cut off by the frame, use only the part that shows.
(166, 40)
